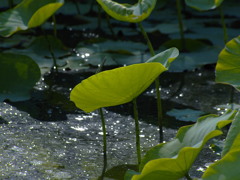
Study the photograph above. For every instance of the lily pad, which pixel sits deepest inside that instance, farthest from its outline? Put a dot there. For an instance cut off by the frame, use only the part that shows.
(115, 87)
(18, 75)
(185, 114)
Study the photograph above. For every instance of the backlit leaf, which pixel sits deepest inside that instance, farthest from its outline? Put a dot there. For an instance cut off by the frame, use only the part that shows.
(165, 57)
(228, 64)
(126, 12)
(27, 14)
(173, 160)
(114, 87)
(203, 5)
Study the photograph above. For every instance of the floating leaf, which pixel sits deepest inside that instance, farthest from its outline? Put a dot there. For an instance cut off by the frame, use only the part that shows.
(27, 14)
(126, 12)
(185, 114)
(228, 64)
(173, 160)
(203, 5)
(18, 75)
(114, 87)
(228, 167)
(165, 57)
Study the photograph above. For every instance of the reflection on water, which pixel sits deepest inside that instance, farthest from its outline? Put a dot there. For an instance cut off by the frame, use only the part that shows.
(69, 149)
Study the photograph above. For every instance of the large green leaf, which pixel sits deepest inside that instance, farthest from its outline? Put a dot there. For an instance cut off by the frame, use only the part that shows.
(126, 12)
(233, 132)
(165, 57)
(228, 167)
(228, 64)
(18, 75)
(28, 14)
(173, 160)
(114, 87)
(203, 5)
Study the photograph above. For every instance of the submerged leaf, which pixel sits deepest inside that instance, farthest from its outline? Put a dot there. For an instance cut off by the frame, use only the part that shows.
(114, 87)
(126, 12)
(228, 64)
(203, 5)
(27, 14)
(173, 160)
(18, 75)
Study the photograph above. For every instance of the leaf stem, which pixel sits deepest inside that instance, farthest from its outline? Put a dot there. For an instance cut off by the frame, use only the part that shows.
(54, 25)
(180, 24)
(135, 110)
(104, 141)
(225, 34)
(147, 39)
(157, 86)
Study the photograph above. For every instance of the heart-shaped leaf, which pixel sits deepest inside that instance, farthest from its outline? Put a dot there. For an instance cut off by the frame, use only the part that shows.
(126, 12)
(18, 75)
(203, 5)
(228, 64)
(27, 14)
(114, 87)
(165, 57)
(173, 160)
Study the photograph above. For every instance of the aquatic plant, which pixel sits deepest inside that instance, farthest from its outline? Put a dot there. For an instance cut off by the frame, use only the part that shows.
(172, 160)
(136, 14)
(22, 71)
(26, 15)
(18, 74)
(227, 68)
(115, 87)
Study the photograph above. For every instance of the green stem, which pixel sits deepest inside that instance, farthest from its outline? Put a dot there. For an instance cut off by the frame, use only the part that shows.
(159, 108)
(54, 26)
(180, 24)
(157, 85)
(225, 34)
(104, 142)
(55, 66)
(137, 130)
(147, 39)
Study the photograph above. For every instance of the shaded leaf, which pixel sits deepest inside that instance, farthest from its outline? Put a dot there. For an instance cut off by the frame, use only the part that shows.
(114, 87)
(126, 12)
(204, 5)
(227, 69)
(18, 75)
(173, 160)
(27, 14)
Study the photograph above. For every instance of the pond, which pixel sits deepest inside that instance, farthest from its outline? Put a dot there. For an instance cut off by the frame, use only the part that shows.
(47, 137)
